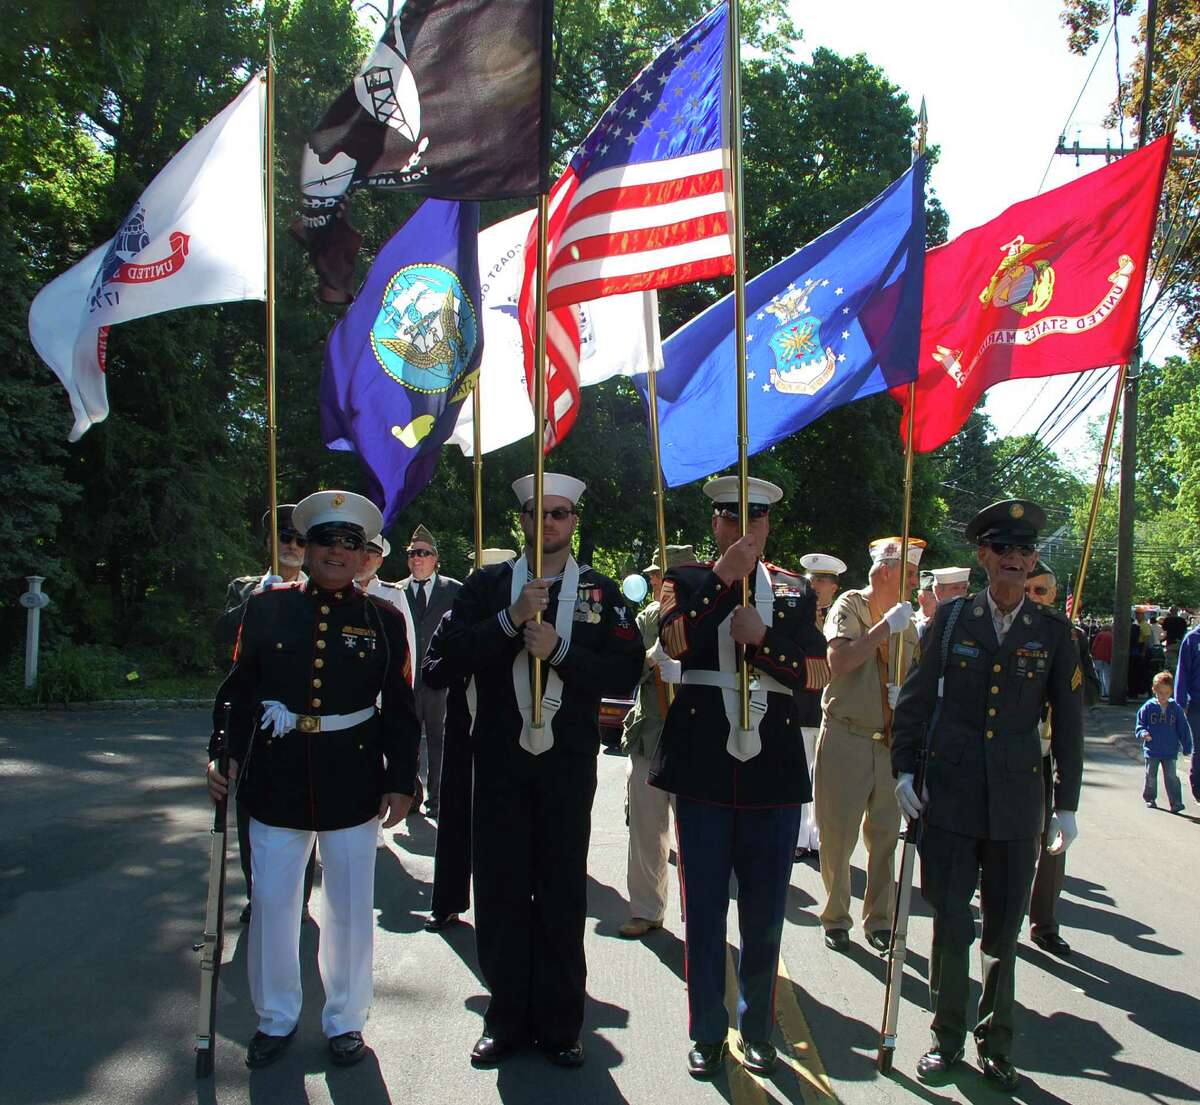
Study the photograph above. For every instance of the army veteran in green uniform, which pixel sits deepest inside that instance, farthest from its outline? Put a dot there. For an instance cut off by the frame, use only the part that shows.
(982, 797)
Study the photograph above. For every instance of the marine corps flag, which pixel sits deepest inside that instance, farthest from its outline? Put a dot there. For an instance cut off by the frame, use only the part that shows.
(452, 102)
(1053, 285)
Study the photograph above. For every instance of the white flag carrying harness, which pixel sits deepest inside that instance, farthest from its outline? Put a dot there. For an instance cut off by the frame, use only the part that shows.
(541, 739)
(743, 744)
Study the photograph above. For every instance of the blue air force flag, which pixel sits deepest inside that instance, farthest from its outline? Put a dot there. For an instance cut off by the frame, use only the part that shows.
(838, 320)
(406, 354)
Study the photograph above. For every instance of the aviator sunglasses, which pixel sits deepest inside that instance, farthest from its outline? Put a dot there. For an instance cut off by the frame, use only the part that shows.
(559, 513)
(1002, 547)
(420, 553)
(349, 541)
(730, 510)
(292, 537)
(1037, 590)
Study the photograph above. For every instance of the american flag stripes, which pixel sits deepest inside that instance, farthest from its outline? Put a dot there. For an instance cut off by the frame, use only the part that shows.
(641, 206)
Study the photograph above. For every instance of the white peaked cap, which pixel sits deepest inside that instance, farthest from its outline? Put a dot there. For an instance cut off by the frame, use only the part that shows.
(384, 547)
(494, 556)
(553, 483)
(724, 489)
(345, 507)
(822, 562)
(946, 576)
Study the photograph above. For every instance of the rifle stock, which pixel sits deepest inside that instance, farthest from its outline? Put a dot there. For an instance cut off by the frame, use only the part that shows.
(211, 945)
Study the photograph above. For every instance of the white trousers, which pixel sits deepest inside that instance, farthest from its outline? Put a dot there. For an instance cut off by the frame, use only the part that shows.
(809, 835)
(649, 842)
(345, 953)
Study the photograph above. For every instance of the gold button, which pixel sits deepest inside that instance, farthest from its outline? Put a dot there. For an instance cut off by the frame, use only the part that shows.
(992, 712)
(324, 609)
(787, 721)
(316, 702)
(692, 710)
(780, 615)
(962, 663)
(782, 657)
(323, 626)
(876, 736)
(337, 594)
(278, 645)
(361, 655)
(995, 667)
(990, 734)
(1036, 770)
(995, 690)
(320, 644)
(360, 747)
(691, 613)
(795, 663)
(318, 663)
(766, 652)
(706, 602)
(316, 682)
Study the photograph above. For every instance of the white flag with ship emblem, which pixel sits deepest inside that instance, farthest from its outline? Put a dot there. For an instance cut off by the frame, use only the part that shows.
(195, 236)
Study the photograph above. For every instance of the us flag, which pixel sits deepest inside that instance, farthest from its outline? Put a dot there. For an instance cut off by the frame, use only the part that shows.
(641, 206)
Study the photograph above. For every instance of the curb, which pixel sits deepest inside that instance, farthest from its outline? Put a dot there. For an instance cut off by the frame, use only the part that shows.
(113, 704)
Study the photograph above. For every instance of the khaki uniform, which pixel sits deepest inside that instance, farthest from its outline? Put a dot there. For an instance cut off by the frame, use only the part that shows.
(853, 782)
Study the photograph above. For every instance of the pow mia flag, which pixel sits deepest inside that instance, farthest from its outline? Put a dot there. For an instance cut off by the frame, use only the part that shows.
(453, 102)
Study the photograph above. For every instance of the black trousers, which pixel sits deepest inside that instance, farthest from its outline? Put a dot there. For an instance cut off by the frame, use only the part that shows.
(452, 852)
(243, 830)
(1051, 870)
(532, 821)
(951, 867)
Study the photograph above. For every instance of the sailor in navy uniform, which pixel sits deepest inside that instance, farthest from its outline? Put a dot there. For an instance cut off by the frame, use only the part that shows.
(313, 758)
(738, 792)
(534, 785)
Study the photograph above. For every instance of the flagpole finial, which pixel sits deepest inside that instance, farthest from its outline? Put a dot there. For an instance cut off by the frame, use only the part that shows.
(922, 129)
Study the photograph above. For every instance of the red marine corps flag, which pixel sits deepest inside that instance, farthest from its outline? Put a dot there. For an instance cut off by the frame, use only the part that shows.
(1053, 285)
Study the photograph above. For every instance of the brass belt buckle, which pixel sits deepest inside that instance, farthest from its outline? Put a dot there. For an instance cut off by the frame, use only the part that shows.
(307, 723)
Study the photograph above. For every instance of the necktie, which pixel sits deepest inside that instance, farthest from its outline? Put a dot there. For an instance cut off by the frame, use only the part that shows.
(417, 592)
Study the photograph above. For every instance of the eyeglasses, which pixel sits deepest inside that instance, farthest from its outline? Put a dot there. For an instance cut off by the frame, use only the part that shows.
(420, 553)
(292, 537)
(349, 541)
(732, 511)
(1037, 590)
(559, 513)
(1000, 548)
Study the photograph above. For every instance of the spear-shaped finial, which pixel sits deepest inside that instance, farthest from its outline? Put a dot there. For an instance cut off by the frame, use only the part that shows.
(922, 128)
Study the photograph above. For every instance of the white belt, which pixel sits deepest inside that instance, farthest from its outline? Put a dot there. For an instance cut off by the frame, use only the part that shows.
(730, 681)
(279, 719)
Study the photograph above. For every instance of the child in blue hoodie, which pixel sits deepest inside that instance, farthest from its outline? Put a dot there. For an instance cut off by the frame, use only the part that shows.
(1163, 729)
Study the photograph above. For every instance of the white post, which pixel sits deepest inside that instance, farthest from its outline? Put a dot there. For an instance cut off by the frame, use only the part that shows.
(33, 600)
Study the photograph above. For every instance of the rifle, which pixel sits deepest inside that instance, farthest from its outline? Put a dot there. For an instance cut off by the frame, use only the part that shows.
(211, 945)
(898, 943)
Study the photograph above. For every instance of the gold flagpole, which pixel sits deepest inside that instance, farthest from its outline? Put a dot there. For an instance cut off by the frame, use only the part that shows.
(922, 134)
(737, 230)
(477, 469)
(660, 507)
(539, 424)
(269, 179)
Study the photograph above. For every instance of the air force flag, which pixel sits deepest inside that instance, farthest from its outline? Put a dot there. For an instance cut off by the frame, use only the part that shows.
(838, 320)
(406, 354)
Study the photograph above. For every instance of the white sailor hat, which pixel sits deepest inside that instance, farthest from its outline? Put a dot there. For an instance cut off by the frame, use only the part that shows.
(888, 548)
(340, 508)
(822, 563)
(553, 483)
(946, 576)
(380, 545)
(493, 556)
(724, 489)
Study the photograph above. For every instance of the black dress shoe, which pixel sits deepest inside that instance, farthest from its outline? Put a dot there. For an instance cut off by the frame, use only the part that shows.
(347, 1049)
(306, 918)
(264, 1049)
(706, 1060)
(759, 1056)
(488, 1051)
(435, 922)
(1053, 943)
(837, 939)
(999, 1070)
(565, 1055)
(936, 1063)
(244, 916)
(880, 940)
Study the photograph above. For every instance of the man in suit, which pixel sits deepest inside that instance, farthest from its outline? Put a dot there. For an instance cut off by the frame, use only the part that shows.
(982, 797)
(428, 595)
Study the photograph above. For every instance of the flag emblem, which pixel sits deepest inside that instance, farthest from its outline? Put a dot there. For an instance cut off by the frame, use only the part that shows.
(426, 332)
(1016, 283)
(119, 267)
(802, 366)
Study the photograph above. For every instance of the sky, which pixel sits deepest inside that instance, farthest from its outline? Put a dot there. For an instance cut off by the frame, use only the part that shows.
(999, 84)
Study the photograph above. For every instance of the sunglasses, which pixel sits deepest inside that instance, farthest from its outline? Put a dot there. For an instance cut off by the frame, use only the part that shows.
(421, 553)
(292, 537)
(731, 510)
(1000, 548)
(559, 513)
(1037, 590)
(349, 541)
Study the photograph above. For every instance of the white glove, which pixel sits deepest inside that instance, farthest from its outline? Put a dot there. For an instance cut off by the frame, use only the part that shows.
(1063, 831)
(893, 694)
(268, 581)
(900, 617)
(278, 718)
(906, 795)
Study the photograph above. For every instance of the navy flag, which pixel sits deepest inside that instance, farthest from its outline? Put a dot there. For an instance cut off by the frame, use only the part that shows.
(838, 320)
(454, 101)
(406, 354)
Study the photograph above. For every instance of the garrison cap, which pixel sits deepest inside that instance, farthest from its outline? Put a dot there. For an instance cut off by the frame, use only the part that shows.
(676, 555)
(723, 490)
(888, 548)
(423, 535)
(819, 563)
(553, 483)
(1041, 568)
(1015, 520)
(341, 509)
(283, 518)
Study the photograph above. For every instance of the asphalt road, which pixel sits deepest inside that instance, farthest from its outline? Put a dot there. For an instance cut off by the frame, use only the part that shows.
(104, 853)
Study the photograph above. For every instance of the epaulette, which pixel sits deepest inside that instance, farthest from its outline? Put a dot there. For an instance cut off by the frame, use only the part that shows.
(382, 604)
(385, 583)
(278, 589)
(776, 568)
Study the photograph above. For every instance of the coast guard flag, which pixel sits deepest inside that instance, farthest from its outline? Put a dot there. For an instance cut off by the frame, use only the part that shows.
(406, 354)
(195, 236)
(836, 321)
(642, 204)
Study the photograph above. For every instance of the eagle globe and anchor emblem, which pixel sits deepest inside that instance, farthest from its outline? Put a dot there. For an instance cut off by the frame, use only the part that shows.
(802, 366)
(424, 337)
